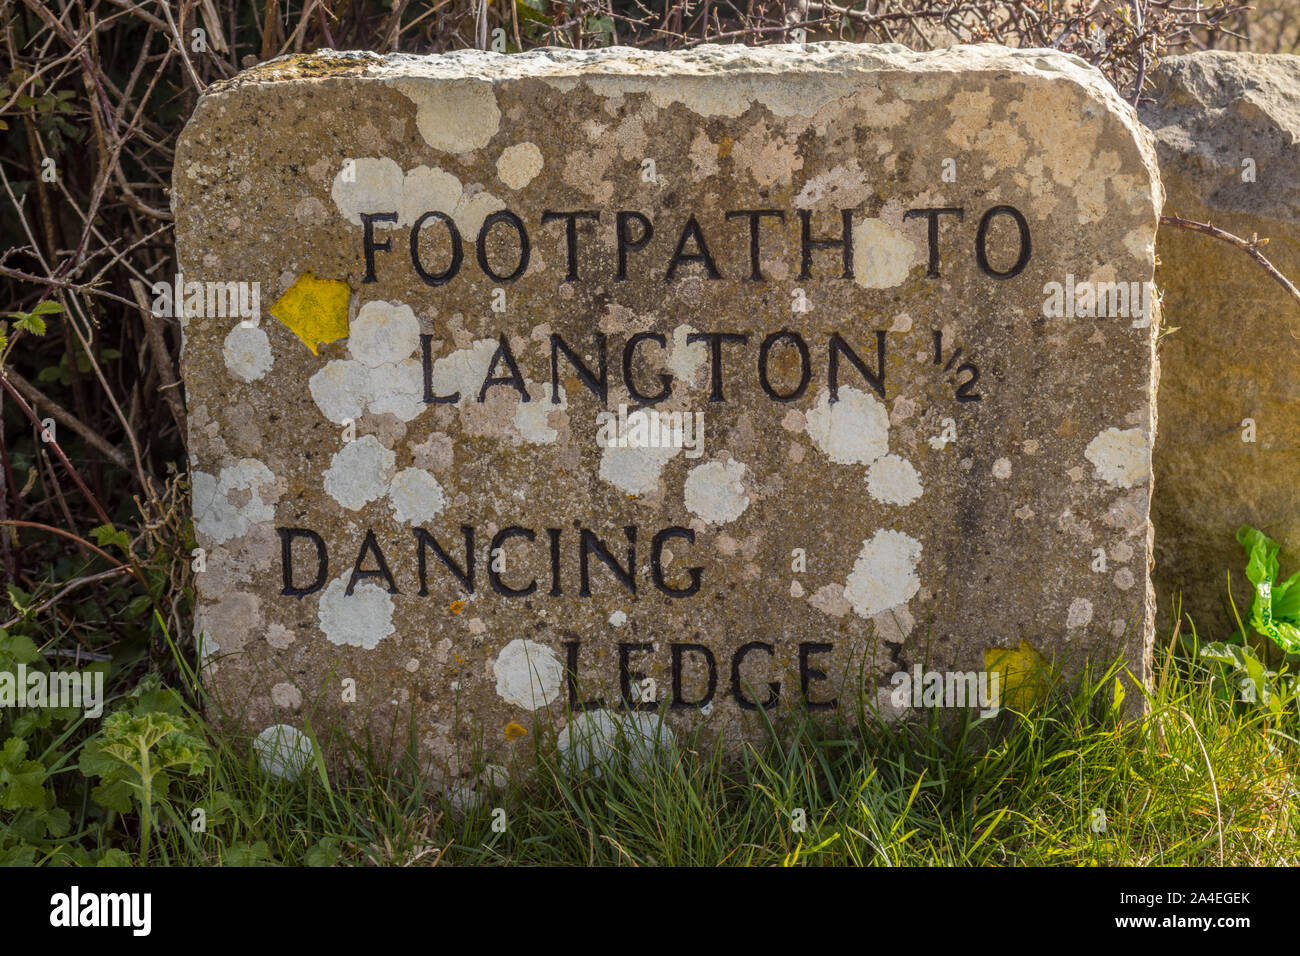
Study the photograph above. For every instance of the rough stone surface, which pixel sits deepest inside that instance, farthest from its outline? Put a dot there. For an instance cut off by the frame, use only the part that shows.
(949, 502)
(1236, 345)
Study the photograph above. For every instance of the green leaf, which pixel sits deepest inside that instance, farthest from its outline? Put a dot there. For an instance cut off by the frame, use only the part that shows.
(22, 782)
(259, 852)
(150, 696)
(20, 855)
(1263, 554)
(116, 796)
(1222, 653)
(1287, 636)
(19, 648)
(1286, 599)
(29, 321)
(57, 822)
(534, 10)
(94, 762)
(324, 853)
(19, 598)
(106, 534)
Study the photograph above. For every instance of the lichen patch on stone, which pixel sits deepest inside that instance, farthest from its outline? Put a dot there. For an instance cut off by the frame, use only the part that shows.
(853, 430)
(884, 574)
(528, 674)
(519, 165)
(715, 491)
(247, 353)
(1122, 457)
(361, 619)
(456, 116)
(359, 472)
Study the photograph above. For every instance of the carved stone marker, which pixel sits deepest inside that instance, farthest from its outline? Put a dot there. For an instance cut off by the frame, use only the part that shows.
(673, 386)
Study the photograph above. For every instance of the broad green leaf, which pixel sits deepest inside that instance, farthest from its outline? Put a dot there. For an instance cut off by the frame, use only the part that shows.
(1263, 554)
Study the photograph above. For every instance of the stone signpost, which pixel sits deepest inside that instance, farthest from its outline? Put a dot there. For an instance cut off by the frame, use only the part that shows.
(1225, 127)
(563, 392)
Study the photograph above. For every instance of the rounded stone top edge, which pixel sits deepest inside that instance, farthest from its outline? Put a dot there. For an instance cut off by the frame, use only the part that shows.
(1226, 57)
(560, 63)
(833, 60)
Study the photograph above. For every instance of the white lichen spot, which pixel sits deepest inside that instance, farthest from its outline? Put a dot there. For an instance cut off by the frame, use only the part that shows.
(381, 377)
(1124, 579)
(397, 390)
(464, 370)
(1122, 457)
(884, 574)
(341, 390)
(635, 470)
(1002, 469)
(278, 636)
(598, 738)
(532, 419)
(829, 599)
(367, 185)
(361, 619)
(220, 518)
(1079, 613)
(415, 496)
(528, 674)
(844, 187)
(715, 491)
(685, 358)
(854, 430)
(893, 481)
(618, 619)
(359, 472)
(283, 751)
(286, 695)
(454, 116)
(894, 624)
(383, 334)
(882, 256)
(430, 188)
(519, 165)
(247, 352)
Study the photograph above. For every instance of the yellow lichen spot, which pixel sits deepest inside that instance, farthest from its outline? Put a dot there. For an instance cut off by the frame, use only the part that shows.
(724, 147)
(1024, 677)
(456, 607)
(514, 731)
(315, 310)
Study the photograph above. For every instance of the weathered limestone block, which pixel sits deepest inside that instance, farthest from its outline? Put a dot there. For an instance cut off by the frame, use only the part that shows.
(690, 383)
(1228, 447)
